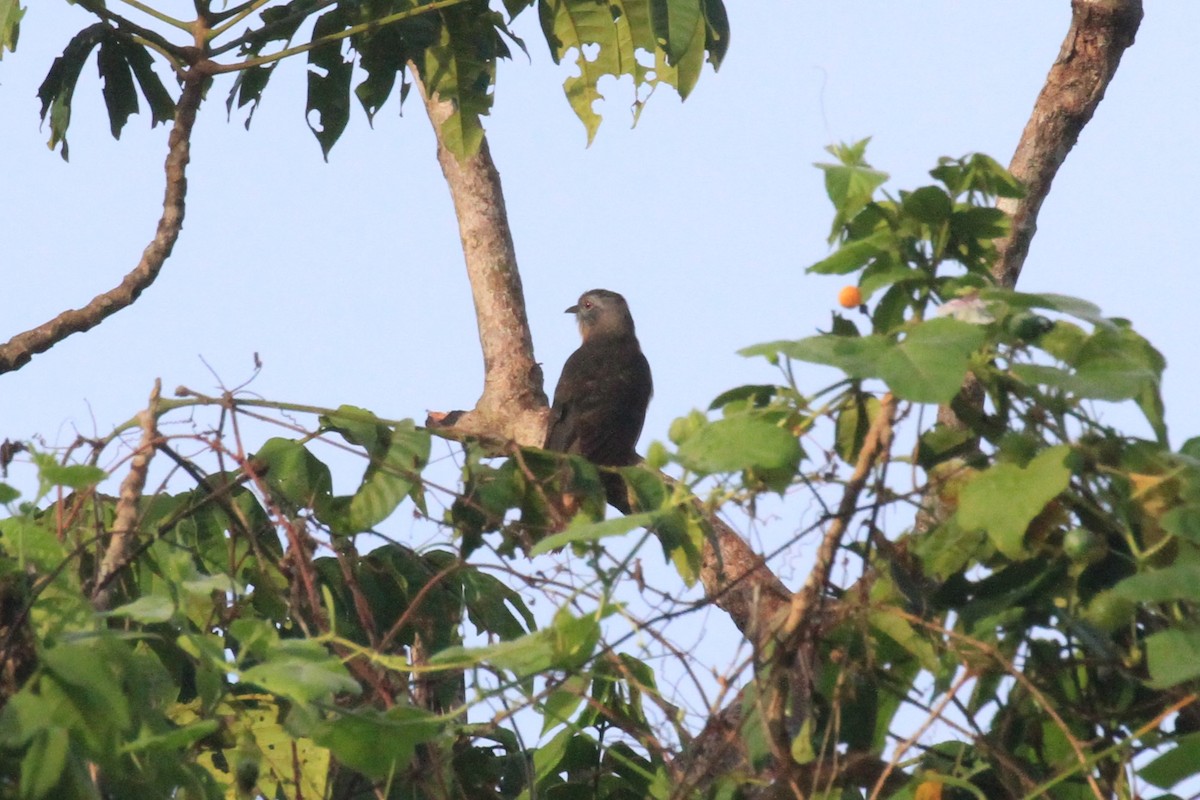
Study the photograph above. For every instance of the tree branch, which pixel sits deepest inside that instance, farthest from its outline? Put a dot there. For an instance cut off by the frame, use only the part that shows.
(125, 523)
(513, 405)
(18, 351)
(1100, 32)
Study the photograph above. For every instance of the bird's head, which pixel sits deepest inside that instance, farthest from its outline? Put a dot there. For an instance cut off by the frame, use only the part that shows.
(601, 312)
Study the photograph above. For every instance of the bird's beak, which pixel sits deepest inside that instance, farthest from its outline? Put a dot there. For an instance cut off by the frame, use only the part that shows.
(572, 310)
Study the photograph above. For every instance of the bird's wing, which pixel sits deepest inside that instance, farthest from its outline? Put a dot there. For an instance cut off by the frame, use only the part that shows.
(600, 402)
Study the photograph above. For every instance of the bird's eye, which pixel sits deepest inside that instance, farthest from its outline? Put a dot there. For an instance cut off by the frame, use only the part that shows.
(587, 303)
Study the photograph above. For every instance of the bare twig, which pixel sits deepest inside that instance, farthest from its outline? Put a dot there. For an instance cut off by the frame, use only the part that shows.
(17, 351)
(1100, 32)
(875, 447)
(125, 523)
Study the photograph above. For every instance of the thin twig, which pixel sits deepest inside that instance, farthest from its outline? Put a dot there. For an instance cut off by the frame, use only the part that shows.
(875, 447)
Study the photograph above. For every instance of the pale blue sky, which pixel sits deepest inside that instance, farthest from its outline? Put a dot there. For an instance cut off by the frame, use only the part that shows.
(347, 277)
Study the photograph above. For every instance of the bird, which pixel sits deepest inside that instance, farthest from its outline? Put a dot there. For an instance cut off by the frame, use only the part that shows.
(605, 387)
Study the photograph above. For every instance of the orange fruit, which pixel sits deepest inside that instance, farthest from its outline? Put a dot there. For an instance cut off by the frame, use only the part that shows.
(850, 297)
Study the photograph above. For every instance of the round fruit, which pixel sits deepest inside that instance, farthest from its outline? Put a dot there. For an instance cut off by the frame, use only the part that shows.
(1109, 611)
(850, 297)
(1080, 544)
(1029, 327)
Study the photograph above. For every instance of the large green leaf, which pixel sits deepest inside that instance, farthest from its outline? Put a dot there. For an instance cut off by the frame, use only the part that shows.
(927, 365)
(120, 97)
(741, 442)
(1173, 656)
(1175, 765)
(1005, 498)
(565, 644)
(850, 256)
(930, 363)
(397, 456)
(378, 743)
(10, 25)
(329, 75)
(301, 670)
(1176, 582)
(296, 474)
(607, 37)
(58, 89)
(857, 356)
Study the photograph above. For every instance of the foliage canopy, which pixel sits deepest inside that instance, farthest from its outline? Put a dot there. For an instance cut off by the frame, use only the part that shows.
(1026, 577)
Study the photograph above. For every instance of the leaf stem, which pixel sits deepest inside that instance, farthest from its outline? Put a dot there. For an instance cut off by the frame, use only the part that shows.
(158, 15)
(218, 69)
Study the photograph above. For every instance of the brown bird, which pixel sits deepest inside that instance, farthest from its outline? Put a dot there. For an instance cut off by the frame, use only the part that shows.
(601, 398)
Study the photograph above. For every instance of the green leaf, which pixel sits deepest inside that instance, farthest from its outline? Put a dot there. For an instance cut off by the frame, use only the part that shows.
(562, 702)
(162, 107)
(397, 457)
(1173, 656)
(44, 762)
(739, 443)
(8, 494)
(1183, 521)
(461, 67)
(979, 222)
(357, 426)
(148, 609)
(378, 744)
(927, 366)
(90, 682)
(1177, 764)
(676, 23)
(293, 472)
(247, 89)
(680, 28)
(581, 530)
(852, 255)
(175, 739)
(930, 363)
(120, 98)
(10, 25)
(566, 644)
(853, 420)
(929, 204)
(73, 476)
(329, 76)
(857, 356)
(57, 90)
(301, 670)
(1081, 309)
(575, 25)
(851, 185)
(676, 32)
(1005, 498)
(1176, 582)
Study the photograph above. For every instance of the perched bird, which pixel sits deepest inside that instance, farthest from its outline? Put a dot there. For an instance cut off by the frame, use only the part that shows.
(601, 398)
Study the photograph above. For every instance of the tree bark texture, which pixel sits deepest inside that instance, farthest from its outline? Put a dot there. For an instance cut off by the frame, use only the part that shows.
(1100, 32)
(513, 405)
